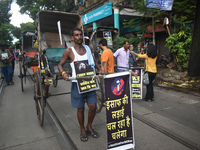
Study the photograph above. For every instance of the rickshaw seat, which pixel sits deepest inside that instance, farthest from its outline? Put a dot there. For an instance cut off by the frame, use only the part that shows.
(54, 54)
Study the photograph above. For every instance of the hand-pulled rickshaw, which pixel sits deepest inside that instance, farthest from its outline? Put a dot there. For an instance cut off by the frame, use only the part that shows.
(53, 37)
(28, 57)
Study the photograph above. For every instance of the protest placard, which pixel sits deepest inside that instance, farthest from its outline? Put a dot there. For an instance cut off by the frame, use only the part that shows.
(119, 111)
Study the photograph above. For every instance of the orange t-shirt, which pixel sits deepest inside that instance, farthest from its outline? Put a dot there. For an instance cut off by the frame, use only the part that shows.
(107, 56)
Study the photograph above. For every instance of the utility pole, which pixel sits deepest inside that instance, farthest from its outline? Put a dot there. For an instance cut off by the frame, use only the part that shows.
(193, 65)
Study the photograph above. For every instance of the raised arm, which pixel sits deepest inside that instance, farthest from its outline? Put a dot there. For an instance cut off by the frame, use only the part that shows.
(132, 52)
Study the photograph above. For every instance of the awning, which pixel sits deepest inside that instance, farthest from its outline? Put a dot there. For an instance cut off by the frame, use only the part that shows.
(159, 28)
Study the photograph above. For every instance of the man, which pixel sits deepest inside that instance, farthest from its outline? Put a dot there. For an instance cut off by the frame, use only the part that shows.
(122, 56)
(132, 58)
(76, 54)
(107, 59)
(5, 64)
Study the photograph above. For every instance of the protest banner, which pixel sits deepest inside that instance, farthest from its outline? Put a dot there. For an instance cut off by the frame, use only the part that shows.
(119, 115)
(136, 83)
(82, 69)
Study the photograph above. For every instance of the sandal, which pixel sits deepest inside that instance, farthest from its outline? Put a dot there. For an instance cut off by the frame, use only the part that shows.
(93, 133)
(84, 137)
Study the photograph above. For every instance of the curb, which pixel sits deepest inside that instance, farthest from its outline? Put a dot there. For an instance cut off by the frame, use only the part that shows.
(185, 86)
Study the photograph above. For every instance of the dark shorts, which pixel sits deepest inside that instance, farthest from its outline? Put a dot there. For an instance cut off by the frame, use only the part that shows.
(78, 100)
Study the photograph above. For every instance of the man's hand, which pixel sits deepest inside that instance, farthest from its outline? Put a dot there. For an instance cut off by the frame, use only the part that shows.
(66, 76)
(101, 71)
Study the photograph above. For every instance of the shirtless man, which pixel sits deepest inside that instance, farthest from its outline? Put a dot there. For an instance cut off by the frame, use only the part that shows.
(79, 53)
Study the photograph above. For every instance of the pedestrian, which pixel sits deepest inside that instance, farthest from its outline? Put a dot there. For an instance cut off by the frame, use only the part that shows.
(107, 58)
(132, 58)
(13, 59)
(5, 64)
(150, 61)
(122, 57)
(77, 53)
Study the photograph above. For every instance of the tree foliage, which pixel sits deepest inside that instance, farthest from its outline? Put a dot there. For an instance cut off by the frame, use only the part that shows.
(179, 44)
(182, 11)
(17, 31)
(5, 30)
(32, 7)
(118, 42)
(5, 6)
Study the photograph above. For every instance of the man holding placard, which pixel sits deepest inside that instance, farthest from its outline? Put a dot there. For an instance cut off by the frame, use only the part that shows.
(82, 64)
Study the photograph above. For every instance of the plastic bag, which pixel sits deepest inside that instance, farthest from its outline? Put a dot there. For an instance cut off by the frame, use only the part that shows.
(145, 78)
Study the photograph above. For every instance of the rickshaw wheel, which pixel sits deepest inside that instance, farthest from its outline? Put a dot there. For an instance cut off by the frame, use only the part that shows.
(39, 98)
(99, 102)
(24, 70)
(21, 75)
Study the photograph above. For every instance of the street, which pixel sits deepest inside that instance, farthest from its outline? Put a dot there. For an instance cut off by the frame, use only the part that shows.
(171, 122)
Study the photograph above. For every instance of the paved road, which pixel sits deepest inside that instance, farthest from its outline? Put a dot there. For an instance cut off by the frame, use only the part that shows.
(173, 115)
(19, 127)
(173, 112)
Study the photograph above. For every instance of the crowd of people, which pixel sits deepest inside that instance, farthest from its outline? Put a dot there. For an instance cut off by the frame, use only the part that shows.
(124, 58)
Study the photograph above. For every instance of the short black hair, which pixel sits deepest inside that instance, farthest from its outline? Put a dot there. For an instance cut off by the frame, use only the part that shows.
(125, 42)
(151, 50)
(103, 42)
(75, 29)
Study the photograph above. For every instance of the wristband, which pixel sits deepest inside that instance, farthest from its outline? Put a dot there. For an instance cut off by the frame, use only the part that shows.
(63, 73)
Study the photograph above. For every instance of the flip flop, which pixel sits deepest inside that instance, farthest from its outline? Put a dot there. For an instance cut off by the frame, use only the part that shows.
(84, 137)
(93, 133)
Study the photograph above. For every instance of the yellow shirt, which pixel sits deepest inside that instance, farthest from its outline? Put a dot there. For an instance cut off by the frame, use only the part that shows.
(151, 63)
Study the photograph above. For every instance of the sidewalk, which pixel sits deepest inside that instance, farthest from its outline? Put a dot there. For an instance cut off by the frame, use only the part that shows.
(177, 80)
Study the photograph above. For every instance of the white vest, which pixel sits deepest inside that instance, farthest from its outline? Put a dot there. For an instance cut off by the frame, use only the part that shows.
(77, 57)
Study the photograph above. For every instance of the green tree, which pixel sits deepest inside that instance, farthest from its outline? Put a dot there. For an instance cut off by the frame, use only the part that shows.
(32, 7)
(5, 34)
(5, 28)
(17, 31)
(118, 42)
(182, 12)
(5, 6)
(179, 43)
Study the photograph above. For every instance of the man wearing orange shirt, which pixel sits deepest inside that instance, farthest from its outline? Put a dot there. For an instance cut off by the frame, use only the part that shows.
(107, 58)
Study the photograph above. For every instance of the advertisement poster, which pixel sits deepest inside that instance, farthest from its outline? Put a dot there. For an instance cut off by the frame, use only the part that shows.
(136, 83)
(107, 35)
(119, 111)
(82, 69)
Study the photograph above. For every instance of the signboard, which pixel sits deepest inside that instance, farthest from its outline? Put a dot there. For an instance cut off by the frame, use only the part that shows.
(160, 4)
(107, 35)
(82, 69)
(119, 111)
(153, 3)
(136, 84)
(166, 5)
(99, 13)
